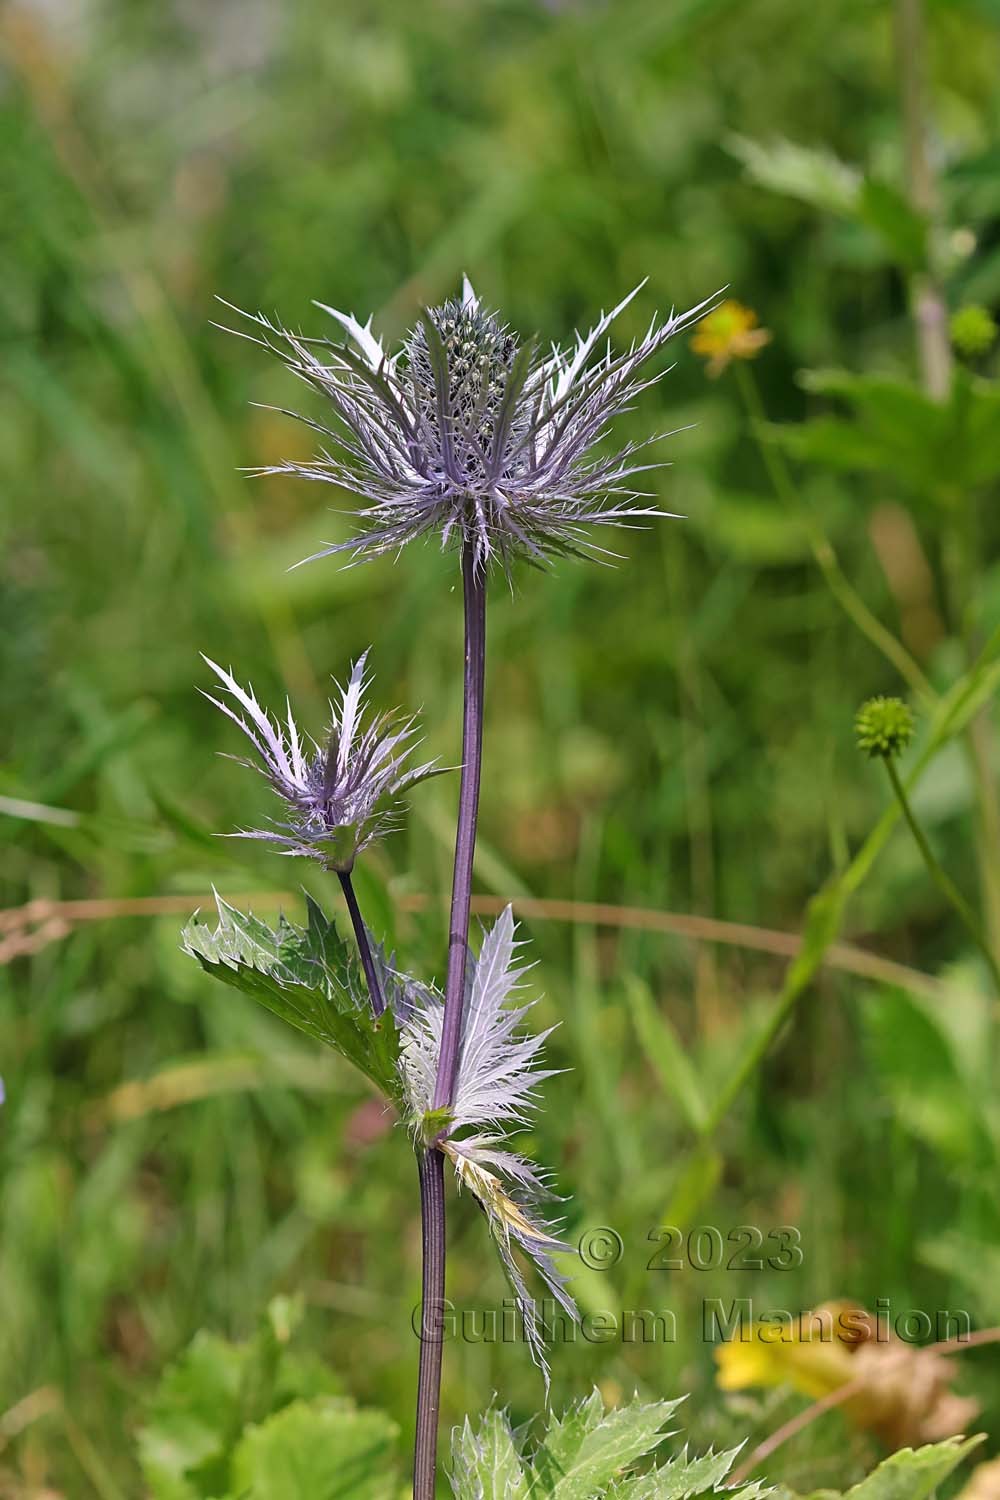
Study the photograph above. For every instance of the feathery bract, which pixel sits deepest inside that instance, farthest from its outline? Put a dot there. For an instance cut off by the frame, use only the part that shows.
(498, 1074)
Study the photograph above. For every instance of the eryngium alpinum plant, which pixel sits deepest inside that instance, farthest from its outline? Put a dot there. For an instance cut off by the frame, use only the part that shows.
(468, 432)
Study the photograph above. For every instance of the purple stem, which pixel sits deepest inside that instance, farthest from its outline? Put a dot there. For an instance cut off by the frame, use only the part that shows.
(430, 1164)
(474, 579)
(364, 948)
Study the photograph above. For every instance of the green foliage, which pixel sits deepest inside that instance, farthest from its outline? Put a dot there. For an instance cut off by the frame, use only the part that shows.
(306, 975)
(589, 1452)
(586, 1452)
(938, 449)
(909, 1474)
(319, 1450)
(818, 178)
(671, 735)
(256, 1421)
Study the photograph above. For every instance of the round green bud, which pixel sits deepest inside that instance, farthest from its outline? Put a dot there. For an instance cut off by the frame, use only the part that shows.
(884, 727)
(972, 330)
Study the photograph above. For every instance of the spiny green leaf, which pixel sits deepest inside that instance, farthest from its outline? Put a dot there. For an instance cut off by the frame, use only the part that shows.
(584, 1454)
(565, 1437)
(307, 976)
(485, 1461)
(680, 1478)
(586, 1449)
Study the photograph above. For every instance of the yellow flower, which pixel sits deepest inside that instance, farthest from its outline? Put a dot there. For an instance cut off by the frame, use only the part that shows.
(812, 1352)
(728, 333)
(899, 1391)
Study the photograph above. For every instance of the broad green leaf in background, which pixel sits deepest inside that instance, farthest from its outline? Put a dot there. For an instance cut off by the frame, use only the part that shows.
(183, 1445)
(933, 1097)
(902, 230)
(912, 1473)
(206, 1398)
(319, 1450)
(909, 1474)
(822, 180)
(813, 176)
(974, 1264)
(307, 976)
(935, 448)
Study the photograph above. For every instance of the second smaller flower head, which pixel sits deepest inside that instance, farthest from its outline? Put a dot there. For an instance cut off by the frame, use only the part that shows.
(884, 727)
(338, 797)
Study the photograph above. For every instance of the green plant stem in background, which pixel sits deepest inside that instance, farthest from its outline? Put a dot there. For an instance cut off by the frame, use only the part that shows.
(930, 313)
(826, 910)
(930, 318)
(822, 549)
(941, 878)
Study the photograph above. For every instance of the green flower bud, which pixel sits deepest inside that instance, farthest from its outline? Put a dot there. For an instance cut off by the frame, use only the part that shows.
(972, 330)
(884, 727)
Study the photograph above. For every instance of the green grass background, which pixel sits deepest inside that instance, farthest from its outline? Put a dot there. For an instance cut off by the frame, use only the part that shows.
(673, 733)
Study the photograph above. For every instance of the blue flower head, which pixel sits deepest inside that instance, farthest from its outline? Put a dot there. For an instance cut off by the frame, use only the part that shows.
(471, 433)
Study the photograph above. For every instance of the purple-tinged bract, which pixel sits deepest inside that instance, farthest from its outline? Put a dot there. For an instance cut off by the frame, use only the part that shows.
(470, 433)
(339, 797)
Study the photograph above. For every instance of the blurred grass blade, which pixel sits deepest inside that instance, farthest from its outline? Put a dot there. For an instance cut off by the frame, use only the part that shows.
(665, 1054)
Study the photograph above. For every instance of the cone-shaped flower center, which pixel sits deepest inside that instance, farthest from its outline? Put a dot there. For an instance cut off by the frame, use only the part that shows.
(479, 352)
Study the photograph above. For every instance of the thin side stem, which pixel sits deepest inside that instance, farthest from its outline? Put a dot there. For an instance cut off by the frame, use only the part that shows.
(942, 880)
(794, 1425)
(364, 947)
(430, 1164)
(474, 583)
